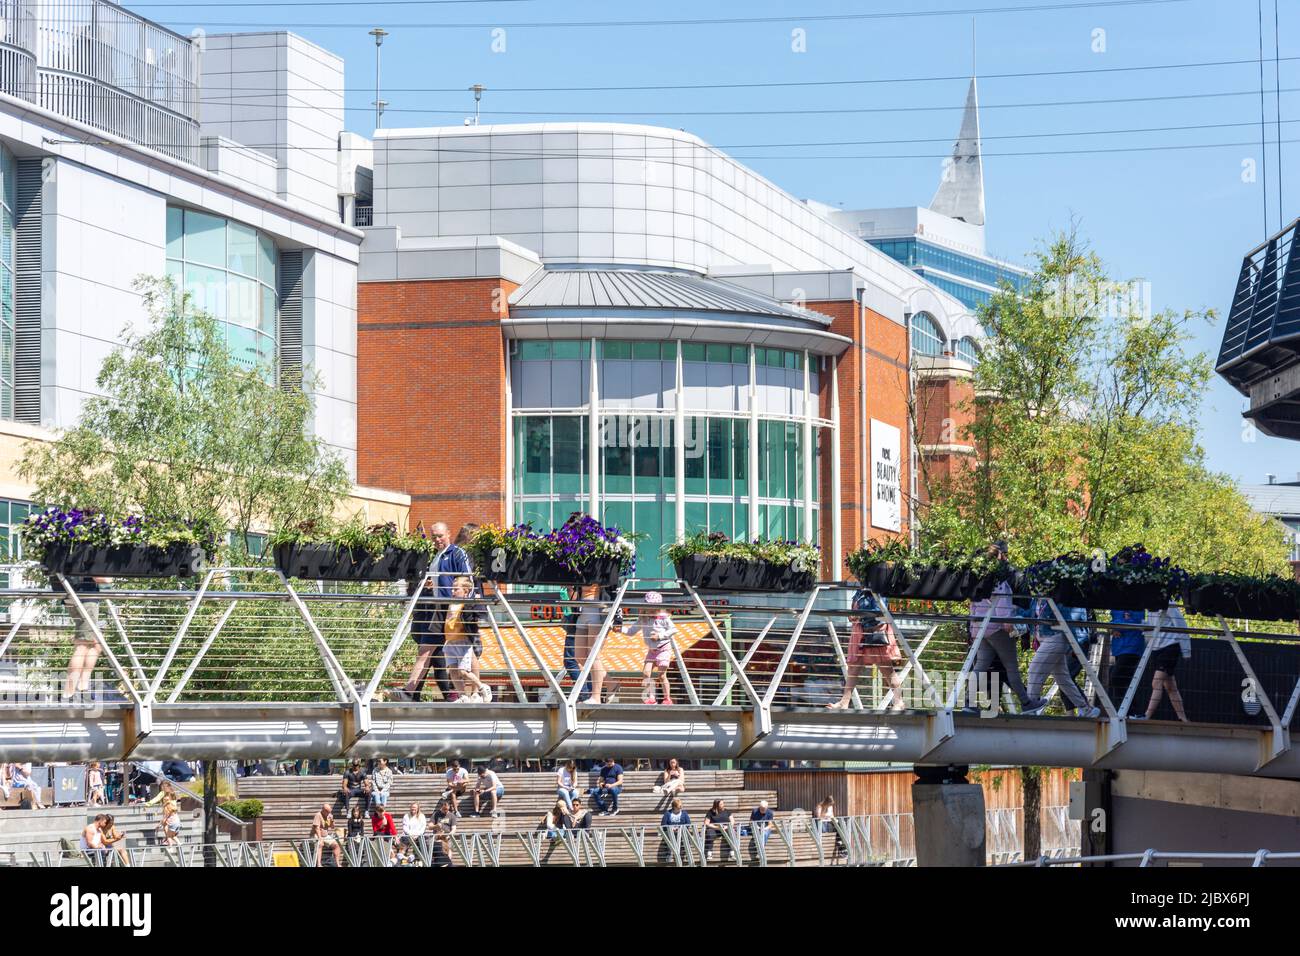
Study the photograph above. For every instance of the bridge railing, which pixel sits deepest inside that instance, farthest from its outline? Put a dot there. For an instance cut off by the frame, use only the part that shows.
(795, 840)
(249, 636)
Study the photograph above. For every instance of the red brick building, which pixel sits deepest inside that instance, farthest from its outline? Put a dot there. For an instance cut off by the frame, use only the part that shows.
(670, 343)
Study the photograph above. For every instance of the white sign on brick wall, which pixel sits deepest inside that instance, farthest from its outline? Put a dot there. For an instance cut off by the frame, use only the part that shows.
(886, 477)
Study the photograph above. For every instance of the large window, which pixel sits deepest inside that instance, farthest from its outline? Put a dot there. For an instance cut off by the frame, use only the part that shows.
(229, 271)
(966, 350)
(8, 200)
(636, 457)
(927, 339)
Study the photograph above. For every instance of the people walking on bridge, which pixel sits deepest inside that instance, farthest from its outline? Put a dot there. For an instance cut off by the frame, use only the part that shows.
(569, 621)
(655, 626)
(1166, 650)
(1052, 656)
(426, 632)
(85, 646)
(586, 630)
(460, 634)
(872, 643)
(998, 645)
(605, 793)
(1126, 647)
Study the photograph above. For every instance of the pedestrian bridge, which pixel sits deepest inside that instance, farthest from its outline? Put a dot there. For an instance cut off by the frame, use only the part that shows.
(246, 664)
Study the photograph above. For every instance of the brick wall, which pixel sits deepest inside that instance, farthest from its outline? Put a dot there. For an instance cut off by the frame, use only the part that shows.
(882, 368)
(431, 402)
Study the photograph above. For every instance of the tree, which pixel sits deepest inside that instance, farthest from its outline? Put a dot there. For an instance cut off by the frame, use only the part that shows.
(1085, 431)
(184, 430)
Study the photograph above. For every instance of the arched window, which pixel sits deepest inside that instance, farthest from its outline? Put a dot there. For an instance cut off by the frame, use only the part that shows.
(927, 339)
(967, 350)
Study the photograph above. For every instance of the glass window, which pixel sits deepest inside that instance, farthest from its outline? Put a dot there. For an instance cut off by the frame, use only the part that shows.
(645, 350)
(719, 456)
(175, 233)
(967, 350)
(927, 339)
(228, 269)
(568, 451)
(692, 352)
(241, 249)
(615, 350)
(569, 349)
(534, 452)
(535, 350)
(718, 353)
(205, 239)
(739, 355)
(669, 351)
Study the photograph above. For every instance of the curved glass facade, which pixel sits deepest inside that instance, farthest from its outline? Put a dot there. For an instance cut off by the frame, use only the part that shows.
(729, 486)
(229, 271)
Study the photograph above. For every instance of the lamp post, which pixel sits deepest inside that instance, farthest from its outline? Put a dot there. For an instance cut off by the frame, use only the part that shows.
(378, 33)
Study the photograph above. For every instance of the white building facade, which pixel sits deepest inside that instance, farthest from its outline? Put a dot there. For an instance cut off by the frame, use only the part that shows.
(125, 151)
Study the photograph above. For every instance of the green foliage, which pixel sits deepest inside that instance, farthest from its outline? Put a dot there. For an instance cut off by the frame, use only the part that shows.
(792, 554)
(183, 429)
(249, 809)
(898, 552)
(1085, 432)
(355, 535)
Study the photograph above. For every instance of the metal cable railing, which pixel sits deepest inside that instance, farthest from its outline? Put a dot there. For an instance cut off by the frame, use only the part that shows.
(795, 840)
(242, 636)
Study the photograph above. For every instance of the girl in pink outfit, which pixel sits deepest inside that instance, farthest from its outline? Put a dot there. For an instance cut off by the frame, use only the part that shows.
(657, 629)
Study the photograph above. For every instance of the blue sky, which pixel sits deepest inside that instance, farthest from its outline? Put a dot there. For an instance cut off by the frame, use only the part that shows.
(1178, 218)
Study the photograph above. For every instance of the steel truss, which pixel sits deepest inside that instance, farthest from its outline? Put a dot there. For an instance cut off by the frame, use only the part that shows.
(737, 715)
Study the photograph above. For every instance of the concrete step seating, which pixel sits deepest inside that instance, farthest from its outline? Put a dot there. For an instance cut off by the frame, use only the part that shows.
(39, 831)
(290, 803)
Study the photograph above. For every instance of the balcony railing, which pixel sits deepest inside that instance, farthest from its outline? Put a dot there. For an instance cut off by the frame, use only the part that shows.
(97, 63)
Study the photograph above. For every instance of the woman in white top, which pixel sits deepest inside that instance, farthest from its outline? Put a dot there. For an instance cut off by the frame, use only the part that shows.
(1166, 649)
(414, 823)
(673, 779)
(566, 783)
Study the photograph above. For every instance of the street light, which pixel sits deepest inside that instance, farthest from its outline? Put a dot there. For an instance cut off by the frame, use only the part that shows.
(378, 33)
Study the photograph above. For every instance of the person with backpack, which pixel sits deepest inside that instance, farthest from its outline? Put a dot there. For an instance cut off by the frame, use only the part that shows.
(871, 643)
(998, 645)
(1051, 655)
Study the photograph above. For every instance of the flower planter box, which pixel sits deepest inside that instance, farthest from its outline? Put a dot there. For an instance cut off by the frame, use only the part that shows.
(923, 584)
(1100, 593)
(1239, 601)
(540, 569)
(125, 560)
(707, 573)
(331, 562)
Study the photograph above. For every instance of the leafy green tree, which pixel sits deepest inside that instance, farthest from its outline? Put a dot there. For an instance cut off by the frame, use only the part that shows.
(183, 429)
(1085, 431)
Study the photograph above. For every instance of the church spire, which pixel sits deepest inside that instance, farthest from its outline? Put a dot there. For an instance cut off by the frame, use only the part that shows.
(961, 191)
